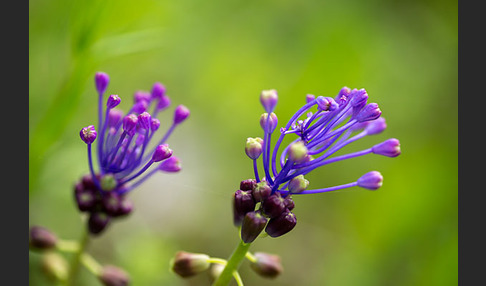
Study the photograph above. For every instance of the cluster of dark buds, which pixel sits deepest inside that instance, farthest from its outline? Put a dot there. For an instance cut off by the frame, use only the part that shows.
(124, 152)
(56, 267)
(323, 126)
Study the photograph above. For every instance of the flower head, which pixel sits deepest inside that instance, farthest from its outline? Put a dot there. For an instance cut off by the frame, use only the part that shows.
(126, 149)
(320, 128)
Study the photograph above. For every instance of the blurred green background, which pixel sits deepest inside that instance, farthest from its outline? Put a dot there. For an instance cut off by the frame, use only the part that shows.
(215, 57)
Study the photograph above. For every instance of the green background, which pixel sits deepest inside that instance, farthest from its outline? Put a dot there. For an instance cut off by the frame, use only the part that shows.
(215, 57)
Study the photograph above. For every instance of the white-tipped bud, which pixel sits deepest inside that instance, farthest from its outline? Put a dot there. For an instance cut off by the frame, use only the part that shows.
(297, 152)
(253, 147)
(298, 184)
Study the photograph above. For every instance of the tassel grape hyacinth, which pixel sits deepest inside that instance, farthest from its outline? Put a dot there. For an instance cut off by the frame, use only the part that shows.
(124, 152)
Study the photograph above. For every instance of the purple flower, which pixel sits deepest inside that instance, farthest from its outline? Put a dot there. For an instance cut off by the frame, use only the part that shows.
(320, 128)
(127, 147)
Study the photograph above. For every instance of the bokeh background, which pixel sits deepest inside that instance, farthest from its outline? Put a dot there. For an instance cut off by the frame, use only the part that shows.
(215, 57)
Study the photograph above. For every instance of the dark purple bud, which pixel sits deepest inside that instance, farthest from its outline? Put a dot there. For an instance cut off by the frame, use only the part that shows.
(253, 147)
(272, 124)
(88, 134)
(282, 224)
(242, 203)
(252, 226)
(140, 106)
(154, 124)
(371, 181)
(101, 81)
(389, 148)
(274, 205)
(130, 123)
(85, 198)
(358, 97)
(187, 264)
(161, 152)
(111, 203)
(164, 102)
(139, 96)
(267, 265)
(309, 98)
(289, 203)
(269, 99)
(171, 165)
(180, 114)
(42, 238)
(248, 185)
(97, 222)
(376, 126)
(125, 208)
(113, 101)
(158, 90)
(114, 116)
(371, 111)
(145, 120)
(113, 276)
(261, 191)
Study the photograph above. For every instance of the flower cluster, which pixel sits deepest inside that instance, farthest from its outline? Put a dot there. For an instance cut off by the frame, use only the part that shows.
(124, 152)
(322, 126)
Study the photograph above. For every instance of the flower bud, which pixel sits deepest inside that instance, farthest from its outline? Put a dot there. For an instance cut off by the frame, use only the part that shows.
(252, 226)
(289, 203)
(376, 126)
(274, 205)
(101, 82)
(214, 271)
(371, 111)
(158, 90)
(326, 103)
(97, 222)
(129, 123)
(267, 265)
(140, 106)
(389, 148)
(113, 101)
(154, 124)
(309, 98)
(371, 181)
(298, 184)
(55, 266)
(113, 276)
(282, 224)
(85, 198)
(253, 147)
(141, 96)
(272, 124)
(171, 165)
(297, 152)
(187, 264)
(248, 185)
(261, 191)
(111, 203)
(42, 238)
(124, 208)
(269, 99)
(108, 182)
(145, 120)
(161, 152)
(164, 102)
(242, 203)
(88, 134)
(114, 116)
(358, 97)
(180, 114)
(344, 91)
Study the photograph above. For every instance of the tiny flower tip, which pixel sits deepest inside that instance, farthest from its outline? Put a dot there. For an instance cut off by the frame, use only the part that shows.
(108, 182)
(376, 126)
(113, 276)
(158, 90)
(253, 147)
(281, 225)
(372, 180)
(297, 152)
(180, 114)
(358, 97)
(344, 91)
(298, 184)
(252, 226)
(101, 80)
(309, 98)
(164, 102)
(371, 111)
(171, 165)
(145, 120)
(269, 99)
(129, 123)
(389, 148)
(140, 106)
(187, 264)
(113, 101)
(141, 96)
(154, 124)
(114, 116)
(88, 134)
(161, 152)
(272, 122)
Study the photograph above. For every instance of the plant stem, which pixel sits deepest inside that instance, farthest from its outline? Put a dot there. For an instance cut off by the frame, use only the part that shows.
(73, 270)
(233, 263)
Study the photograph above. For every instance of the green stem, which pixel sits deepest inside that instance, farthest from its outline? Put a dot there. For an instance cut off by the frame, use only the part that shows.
(73, 270)
(233, 263)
